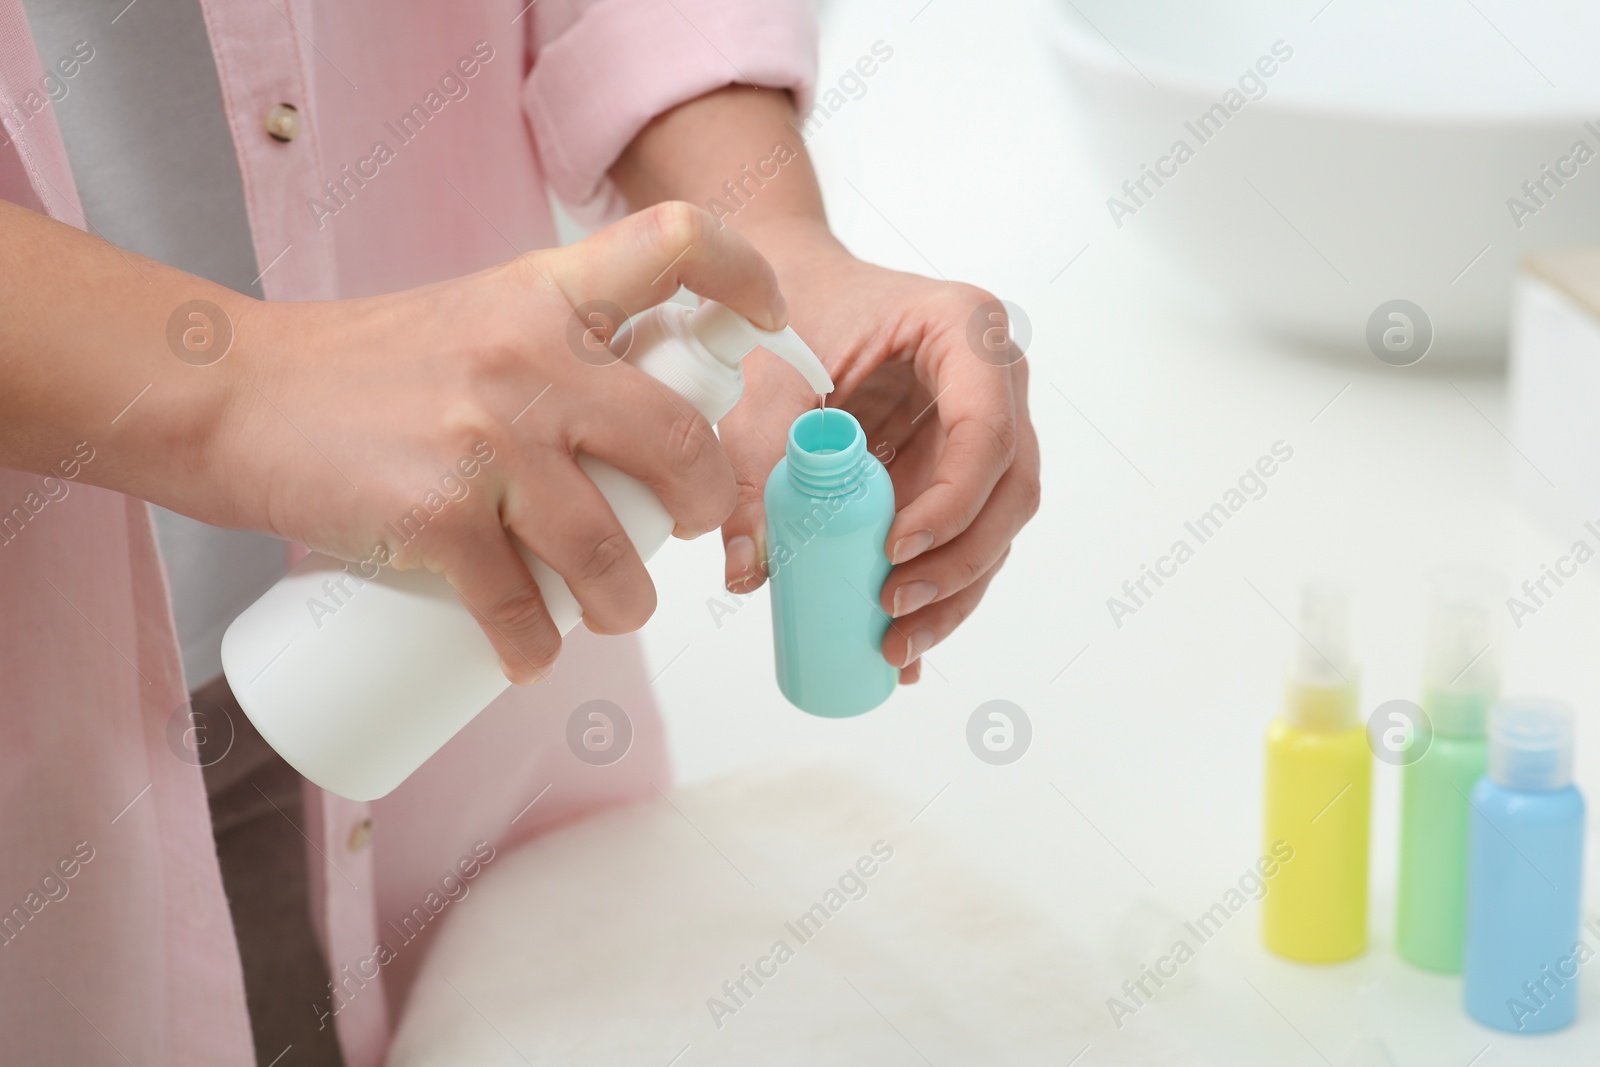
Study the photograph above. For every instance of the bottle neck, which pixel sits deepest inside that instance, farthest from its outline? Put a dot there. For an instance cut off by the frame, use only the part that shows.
(827, 453)
(1321, 706)
(1458, 712)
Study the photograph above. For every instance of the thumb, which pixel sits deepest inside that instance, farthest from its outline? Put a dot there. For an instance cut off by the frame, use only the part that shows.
(754, 435)
(642, 260)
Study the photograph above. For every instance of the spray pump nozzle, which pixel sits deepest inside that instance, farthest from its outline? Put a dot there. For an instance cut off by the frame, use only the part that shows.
(729, 336)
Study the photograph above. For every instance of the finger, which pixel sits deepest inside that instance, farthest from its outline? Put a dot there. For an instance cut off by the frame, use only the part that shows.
(945, 571)
(754, 436)
(565, 521)
(912, 463)
(976, 409)
(910, 638)
(643, 259)
(492, 581)
(912, 674)
(639, 426)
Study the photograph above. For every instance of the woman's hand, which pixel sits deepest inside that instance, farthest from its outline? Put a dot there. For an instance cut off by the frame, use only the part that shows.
(944, 406)
(350, 421)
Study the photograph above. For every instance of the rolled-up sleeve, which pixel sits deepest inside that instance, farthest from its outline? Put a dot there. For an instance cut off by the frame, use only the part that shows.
(603, 69)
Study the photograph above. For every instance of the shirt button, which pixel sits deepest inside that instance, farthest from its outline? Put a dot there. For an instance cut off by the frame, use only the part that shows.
(360, 835)
(283, 122)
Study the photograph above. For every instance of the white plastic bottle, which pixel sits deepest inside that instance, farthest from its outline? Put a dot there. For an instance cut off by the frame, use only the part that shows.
(357, 698)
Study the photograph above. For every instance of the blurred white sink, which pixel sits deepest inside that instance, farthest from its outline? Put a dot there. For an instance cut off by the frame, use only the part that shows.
(1376, 161)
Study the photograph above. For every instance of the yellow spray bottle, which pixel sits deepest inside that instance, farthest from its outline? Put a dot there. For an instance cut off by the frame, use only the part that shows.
(1318, 791)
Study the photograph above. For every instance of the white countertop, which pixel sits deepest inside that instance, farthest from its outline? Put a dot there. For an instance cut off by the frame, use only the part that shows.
(963, 157)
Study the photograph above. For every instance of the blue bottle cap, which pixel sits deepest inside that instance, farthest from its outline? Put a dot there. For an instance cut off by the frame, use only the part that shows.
(1530, 743)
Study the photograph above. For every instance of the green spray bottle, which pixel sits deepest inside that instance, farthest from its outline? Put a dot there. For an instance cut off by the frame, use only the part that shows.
(1461, 678)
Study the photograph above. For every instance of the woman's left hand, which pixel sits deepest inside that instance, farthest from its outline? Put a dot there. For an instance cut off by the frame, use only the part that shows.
(931, 373)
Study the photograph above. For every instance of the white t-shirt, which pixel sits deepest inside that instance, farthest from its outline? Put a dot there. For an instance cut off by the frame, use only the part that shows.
(155, 168)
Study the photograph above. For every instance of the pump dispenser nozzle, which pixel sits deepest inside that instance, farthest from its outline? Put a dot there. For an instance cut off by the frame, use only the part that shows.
(1322, 686)
(1461, 672)
(1324, 654)
(730, 337)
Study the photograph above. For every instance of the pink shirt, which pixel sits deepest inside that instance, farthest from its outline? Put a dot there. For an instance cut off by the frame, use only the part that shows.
(115, 938)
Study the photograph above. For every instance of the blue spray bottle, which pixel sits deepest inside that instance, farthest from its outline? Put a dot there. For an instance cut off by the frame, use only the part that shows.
(829, 506)
(1525, 873)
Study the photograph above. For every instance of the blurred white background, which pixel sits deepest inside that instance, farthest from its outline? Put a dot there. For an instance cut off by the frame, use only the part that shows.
(968, 156)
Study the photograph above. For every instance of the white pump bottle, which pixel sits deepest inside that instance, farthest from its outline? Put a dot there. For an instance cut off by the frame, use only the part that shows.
(358, 698)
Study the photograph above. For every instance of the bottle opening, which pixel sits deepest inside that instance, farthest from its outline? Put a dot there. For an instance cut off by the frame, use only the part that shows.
(827, 452)
(826, 433)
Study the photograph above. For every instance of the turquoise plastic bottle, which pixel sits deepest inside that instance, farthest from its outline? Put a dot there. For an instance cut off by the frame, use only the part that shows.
(1461, 678)
(829, 505)
(1525, 881)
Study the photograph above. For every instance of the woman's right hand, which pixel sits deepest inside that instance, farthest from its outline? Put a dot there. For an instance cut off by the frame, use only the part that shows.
(342, 417)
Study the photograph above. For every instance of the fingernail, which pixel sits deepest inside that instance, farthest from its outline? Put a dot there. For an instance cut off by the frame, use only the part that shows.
(779, 311)
(741, 564)
(911, 546)
(913, 595)
(525, 674)
(920, 641)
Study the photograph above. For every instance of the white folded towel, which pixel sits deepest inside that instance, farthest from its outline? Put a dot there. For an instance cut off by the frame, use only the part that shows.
(651, 935)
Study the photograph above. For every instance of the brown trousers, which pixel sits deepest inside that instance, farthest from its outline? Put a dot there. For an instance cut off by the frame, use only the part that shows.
(257, 819)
